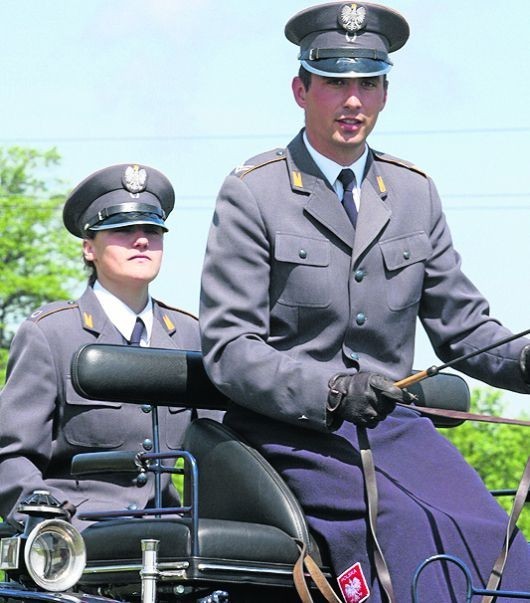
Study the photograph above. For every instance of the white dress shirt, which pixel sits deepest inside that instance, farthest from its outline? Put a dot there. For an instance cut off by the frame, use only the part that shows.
(122, 317)
(331, 170)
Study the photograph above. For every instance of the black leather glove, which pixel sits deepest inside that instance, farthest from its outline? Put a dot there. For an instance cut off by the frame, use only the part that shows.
(525, 364)
(362, 398)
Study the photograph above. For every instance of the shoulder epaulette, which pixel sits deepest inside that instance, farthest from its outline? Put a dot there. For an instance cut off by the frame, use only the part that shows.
(400, 162)
(49, 311)
(260, 161)
(179, 310)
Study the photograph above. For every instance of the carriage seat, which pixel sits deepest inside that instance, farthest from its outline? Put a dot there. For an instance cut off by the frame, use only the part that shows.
(249, 523)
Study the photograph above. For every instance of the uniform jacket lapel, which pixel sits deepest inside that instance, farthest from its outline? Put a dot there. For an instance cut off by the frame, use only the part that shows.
(322, 202)
(163, 329)
(94, 319)
(374, 213)
(325, 207)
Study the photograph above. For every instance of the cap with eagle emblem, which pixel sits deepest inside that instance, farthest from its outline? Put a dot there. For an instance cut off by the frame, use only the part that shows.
(117, 196)
(344, 39)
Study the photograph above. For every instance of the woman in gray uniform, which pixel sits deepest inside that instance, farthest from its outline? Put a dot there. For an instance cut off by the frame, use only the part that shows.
(120, 213)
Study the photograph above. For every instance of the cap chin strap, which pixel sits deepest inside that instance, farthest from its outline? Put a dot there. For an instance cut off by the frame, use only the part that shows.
(346, 74)
(316, 54)
(123, 208)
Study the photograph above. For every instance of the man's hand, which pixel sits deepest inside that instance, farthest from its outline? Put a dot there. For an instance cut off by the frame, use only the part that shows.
(525, 364)
(362, 398)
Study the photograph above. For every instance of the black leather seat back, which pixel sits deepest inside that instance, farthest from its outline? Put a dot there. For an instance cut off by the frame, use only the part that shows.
(237, 483)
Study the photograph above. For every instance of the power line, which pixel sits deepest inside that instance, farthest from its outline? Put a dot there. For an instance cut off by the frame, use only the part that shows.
(251, 136)
(484, 195)
(512, 130)
(156, 138)
(504, 208)
(197, 208)
(213, 196)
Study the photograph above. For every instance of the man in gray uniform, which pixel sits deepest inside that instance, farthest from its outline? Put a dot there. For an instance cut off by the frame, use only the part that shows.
(120, 213)
(308, 316)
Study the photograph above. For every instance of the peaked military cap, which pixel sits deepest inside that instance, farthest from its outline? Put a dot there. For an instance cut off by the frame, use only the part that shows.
(344, 39)
(117, 196)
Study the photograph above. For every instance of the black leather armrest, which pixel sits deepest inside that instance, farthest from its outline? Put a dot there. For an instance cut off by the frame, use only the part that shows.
(144, 375)
(88, 463)
(444, 390)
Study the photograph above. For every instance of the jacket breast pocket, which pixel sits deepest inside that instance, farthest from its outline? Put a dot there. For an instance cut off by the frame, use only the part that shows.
(300, 274)
(404, 258)
(93, 423)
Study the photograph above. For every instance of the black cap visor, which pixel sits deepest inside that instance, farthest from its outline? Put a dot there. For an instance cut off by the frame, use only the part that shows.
(129, 219)
(126, 214)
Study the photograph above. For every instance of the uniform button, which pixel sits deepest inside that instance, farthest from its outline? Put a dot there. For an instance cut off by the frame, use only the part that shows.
(359, 275)
(354, 356)
(302, 254)
(132, 507)
(406, 255)
(360, 319)
(147, 444)
(280, 153)
(146, 408)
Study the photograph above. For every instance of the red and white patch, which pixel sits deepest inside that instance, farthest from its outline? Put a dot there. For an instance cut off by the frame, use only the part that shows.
(353, 585)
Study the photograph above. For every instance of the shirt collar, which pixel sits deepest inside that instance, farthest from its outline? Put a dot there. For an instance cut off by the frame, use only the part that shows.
(121, 316)
(331, 170)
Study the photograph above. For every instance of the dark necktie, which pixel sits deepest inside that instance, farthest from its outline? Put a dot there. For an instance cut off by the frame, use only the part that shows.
(347, 177)
(138, 330)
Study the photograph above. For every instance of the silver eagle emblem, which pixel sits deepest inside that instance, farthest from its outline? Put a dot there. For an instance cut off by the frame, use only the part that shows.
(352, 17)
(135, 179)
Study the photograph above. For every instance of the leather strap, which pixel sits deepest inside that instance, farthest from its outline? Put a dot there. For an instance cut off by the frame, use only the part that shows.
(321, 582)
(298, 575)
(518, 504)
(458, 414)
(315, 54)
(372, 496)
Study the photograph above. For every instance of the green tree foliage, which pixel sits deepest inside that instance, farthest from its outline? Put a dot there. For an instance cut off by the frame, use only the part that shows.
(497, 452)
(40, 260)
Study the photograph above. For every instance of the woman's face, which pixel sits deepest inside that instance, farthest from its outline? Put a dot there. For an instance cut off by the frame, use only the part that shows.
(130, 255)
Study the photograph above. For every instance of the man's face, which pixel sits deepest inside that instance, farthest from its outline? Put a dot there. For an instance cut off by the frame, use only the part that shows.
(340, 113)
(127, 257)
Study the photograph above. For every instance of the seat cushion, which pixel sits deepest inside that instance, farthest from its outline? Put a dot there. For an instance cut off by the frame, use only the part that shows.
(229, 552)
(118, 541)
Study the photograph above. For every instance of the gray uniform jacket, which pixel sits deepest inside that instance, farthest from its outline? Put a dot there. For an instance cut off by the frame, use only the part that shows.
(44, 422)
(291, 294)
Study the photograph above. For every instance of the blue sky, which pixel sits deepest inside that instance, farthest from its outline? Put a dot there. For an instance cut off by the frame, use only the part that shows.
(195, 87)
